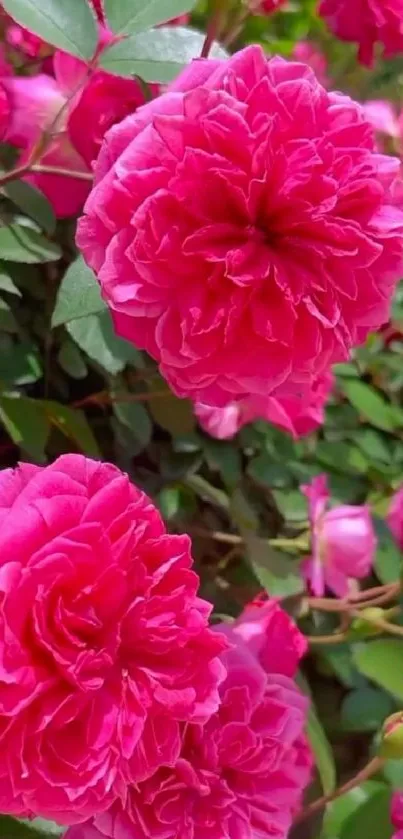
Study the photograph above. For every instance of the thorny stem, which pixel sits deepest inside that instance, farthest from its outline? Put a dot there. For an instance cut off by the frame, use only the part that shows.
(66, 173)
(368, 771)
(214, 25)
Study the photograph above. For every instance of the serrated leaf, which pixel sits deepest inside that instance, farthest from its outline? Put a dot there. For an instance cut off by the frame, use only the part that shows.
(365, 709)
(157, 55)
(33, 203)
(372, 818)
(26, 423)
(125, 17)
(382, 662)
(388, 557)
(23, 244)
(79, 295)
(135, 417)
(96, 336)
(66, 24)
(71, 360)
(339, 811)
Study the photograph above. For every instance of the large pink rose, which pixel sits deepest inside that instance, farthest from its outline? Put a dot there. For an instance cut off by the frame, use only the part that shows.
(367, 22)
(241, 775)
(221, 214)
(292, 414)
(105, 647)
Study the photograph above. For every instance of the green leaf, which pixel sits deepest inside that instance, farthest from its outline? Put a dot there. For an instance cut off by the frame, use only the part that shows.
(382, 662)
(79, 294)
(8, 322)
(33, 203)
(19, 363)
(388, 558)
(66, 24)
(224, 457)
(6, 283)
(135, 417)
(157, 55)
(319, 743)
(45, 827)
(26, 423)
(125, 17)
(370, 404)
(71, 360)
(171, 413)
(365, 709)
(277, 573)
(74, 425)
(371, 818)
(95, 335)
(340, 810)
(23, 244)
(13, 829)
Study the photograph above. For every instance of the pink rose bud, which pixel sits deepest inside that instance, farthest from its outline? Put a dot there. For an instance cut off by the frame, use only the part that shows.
(343, 542)
(391, 746)
(395, 517)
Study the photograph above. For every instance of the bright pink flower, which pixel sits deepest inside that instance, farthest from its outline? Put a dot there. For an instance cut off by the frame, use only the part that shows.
(310, 54)
(396, 815)
(220, 217)
(382, 116)
(343, 542)
(105, 647)
(265, 7)
(241, 775)
(395, 517)
(36, 101)
(367, 22)
(297, 416)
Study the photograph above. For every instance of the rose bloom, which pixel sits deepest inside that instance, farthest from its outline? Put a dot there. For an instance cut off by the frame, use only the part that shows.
(220, 216)
(296, 416)
(396, 815)
(343, 542)
(105, 646)
(395, 517)
(368, 22)
(241, 775)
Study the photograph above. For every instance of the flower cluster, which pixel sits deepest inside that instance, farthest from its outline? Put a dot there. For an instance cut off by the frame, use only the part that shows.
(219, 219)
(241, 774)
(367, 22)
(117, 700)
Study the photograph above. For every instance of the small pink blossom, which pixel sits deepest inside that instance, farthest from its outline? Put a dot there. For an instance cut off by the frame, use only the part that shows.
(395, 517)
(343, 542)
(311, 55)
(219, 219)
(265, 7)
(105, 645)
(296, 416)
(396, 815)
(243, 774)
(367, 22)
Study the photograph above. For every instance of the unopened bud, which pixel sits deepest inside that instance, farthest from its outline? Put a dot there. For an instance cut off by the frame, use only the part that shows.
(364, 625)
(391, 746)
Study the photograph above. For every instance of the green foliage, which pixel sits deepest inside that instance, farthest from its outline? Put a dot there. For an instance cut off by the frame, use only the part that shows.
(127, 17)
(69, 25)
(157, 55)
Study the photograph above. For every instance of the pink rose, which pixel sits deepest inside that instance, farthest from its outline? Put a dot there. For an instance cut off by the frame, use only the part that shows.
(297, 416)
(220, 216)
(395, 517)
(105, 647)
(244, 772)
(382, 116)
(343, 542)
(36, 102)
(367, 22)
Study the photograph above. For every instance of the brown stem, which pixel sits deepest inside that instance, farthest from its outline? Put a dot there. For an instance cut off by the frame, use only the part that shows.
(105, 398)
(335, 638)
(66, 173)
(214, 26)
(368, 771)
